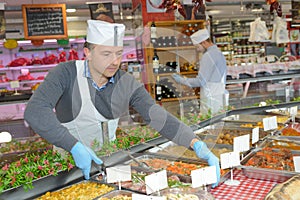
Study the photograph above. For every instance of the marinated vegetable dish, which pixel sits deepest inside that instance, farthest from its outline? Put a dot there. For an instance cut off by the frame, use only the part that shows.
(272, 159)
(173, 166)
(80, 191)
(226, 135)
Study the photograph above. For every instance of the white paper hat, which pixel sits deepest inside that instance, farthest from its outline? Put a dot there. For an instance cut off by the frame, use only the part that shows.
(200, 36)
(104, 33)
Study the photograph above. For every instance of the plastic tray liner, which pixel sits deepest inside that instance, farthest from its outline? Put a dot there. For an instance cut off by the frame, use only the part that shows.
(87, 190)
(115, 194)
(257, 172)
(160, 162)
(137, 183)
(254, 118)
(278, 142)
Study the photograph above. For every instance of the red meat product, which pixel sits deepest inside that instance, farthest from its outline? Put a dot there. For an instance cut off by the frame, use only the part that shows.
(19, 62)
(50, 59)
(27, 77)
(73, 55)
(62, 57)
(36, 61)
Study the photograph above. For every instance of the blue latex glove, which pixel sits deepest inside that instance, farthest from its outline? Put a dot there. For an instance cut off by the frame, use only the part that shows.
(181, 80)
(204, 153)
(178, 78)
(83, 157)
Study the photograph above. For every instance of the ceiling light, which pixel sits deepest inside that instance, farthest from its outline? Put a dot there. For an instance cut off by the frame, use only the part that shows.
(71, 10)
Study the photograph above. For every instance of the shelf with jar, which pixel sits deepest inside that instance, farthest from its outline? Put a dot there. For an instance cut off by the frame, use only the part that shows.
(171, 51)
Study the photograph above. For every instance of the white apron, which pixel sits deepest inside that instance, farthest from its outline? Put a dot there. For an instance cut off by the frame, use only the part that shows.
(86, 127)
(213, 96)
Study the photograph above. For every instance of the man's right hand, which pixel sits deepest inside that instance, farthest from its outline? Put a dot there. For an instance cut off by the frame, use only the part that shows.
(83, 157)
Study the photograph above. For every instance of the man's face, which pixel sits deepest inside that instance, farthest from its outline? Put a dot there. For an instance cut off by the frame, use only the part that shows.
(105, 60)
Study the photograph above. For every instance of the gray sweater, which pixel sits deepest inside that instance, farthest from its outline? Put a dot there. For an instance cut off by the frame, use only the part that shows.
(60, 90)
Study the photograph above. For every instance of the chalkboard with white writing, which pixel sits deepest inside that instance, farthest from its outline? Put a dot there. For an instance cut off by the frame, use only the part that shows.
(44, 21)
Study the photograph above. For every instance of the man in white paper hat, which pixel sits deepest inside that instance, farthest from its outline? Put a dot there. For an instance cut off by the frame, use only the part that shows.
(211, 76)
(87, 93)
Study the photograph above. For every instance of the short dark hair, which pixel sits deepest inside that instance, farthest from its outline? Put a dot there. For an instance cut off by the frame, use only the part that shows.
(88, 45)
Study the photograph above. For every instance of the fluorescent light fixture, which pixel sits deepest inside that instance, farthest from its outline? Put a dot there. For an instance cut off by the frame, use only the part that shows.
(70, 10)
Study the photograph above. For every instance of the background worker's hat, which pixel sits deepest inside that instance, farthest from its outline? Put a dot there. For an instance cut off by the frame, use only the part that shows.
(200, 36)
(105, 33)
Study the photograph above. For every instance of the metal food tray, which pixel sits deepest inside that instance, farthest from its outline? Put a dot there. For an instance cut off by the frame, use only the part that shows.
(250, 118)
(182, 178)
(77, 183)
(211, 140)
(281, 139)
(186, 178)
(263, 173)
(217, 128)
(161, 149)
(115, 193)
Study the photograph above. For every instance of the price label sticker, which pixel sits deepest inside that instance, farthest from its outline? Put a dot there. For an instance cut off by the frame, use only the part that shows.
(24, 72)
(14, 84)
(203, 176)
(293, 110)
(230, 159)
(157, 181)
(296, 160)
(255, 135)
(241, 143)
(270, 123)
(145, 197)
(118, 173)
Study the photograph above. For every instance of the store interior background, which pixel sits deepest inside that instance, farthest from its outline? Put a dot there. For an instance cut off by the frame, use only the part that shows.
(224, 16)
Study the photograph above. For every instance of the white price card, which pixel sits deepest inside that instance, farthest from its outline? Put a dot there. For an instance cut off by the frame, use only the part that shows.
(118, 173)
(293, 110)
(270, 123)
(255, 135)
(204, 176)
(24, 72)
(14, 84)
(296, 160)
(241, 143)
(230, 159)
(157, 181)
(145, 197)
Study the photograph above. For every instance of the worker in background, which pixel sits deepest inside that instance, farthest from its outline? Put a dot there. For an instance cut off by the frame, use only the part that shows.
(211, 76)
(87, 93)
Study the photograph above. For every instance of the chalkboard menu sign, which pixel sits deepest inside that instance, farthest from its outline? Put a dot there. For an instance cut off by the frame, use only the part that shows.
(44, 21)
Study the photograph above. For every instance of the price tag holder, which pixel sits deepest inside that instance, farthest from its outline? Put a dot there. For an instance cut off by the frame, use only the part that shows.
(296, 160)
(157, 181)
(14, 84)
(270, 123)
(145, 197)
(255, 135)
(241, 143)
(230, 159)
(118, 173)
(293, 110)
(204, 176)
